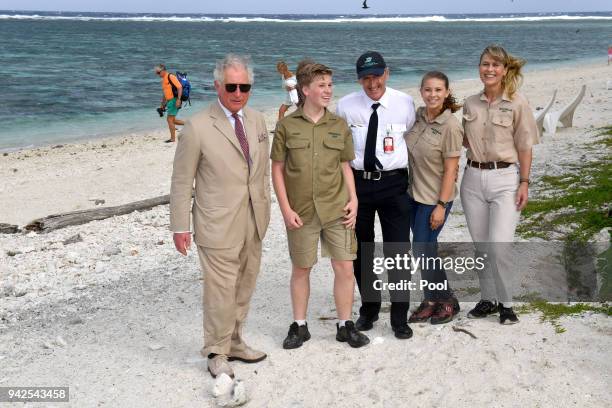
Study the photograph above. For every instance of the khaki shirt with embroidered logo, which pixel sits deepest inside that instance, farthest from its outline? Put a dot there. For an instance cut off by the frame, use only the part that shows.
(429, 143)
(312, 153)
(497, 132)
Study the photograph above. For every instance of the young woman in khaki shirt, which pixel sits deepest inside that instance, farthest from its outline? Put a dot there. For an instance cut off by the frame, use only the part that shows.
(500, 131)
(434, 147)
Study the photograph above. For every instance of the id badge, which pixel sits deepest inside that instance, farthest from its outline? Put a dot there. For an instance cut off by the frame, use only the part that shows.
(389, 148)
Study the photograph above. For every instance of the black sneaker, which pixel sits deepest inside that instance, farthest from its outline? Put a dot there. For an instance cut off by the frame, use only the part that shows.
(482, 309)
(365, 323)
(296, 337)
(507, 315)
(349, 333)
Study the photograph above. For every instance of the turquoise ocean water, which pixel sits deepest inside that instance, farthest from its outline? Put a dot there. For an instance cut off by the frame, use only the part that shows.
(69, 76)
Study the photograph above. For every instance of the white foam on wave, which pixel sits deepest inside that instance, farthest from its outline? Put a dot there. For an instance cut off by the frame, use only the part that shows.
(398, 19)
(105, 18)
(535, 18)
(339, 19)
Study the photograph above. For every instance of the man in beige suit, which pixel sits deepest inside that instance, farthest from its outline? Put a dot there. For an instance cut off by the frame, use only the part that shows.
(225, 149)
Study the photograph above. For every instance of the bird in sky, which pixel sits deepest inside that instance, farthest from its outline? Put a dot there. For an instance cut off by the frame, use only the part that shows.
(365, 4)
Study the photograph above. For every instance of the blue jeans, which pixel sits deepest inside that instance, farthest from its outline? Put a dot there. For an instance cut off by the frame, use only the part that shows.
(425, 242)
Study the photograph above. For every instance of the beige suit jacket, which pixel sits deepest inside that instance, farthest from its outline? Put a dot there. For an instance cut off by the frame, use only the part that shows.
(209, 153)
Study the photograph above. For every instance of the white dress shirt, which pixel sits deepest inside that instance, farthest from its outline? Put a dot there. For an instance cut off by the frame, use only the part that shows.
(396, 115)
(231, 118)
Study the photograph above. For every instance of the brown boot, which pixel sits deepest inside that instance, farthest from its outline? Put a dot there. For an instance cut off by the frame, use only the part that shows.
(425, 310)
(445, 311)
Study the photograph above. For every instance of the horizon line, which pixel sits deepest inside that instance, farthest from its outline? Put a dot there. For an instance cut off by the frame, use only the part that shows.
(303, 14)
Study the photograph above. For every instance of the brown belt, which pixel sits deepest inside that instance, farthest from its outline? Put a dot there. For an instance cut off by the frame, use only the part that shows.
(489, 165)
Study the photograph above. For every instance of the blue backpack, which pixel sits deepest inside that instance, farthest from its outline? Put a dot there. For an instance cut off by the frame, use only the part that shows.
(182, 78)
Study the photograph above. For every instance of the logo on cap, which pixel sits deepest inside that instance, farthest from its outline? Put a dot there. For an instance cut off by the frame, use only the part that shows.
(370, 63)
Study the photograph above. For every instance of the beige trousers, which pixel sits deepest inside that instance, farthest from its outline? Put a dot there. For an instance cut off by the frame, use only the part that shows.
(230, 275)
(488, 198)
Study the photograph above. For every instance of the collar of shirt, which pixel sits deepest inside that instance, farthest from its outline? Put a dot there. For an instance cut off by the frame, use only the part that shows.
(384, 100)
(228, 113)
(299, 113)
(440, 119)
(504, 97)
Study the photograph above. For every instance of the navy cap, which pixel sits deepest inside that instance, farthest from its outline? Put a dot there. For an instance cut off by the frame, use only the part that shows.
(370, 63)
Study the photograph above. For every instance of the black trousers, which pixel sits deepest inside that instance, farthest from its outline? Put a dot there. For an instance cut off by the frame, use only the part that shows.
(389, 198)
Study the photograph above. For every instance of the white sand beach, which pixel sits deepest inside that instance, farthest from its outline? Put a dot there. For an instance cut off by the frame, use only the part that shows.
(116, 314)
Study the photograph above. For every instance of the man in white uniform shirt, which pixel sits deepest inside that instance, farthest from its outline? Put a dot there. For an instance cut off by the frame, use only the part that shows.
(378, 117)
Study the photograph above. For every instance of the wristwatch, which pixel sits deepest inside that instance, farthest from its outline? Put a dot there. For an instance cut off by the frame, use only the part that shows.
(444, 204)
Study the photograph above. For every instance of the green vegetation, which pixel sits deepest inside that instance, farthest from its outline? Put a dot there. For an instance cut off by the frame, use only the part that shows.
(528, 297)
(573, 207)
(469, 290)
(578, 201)
(551, 312)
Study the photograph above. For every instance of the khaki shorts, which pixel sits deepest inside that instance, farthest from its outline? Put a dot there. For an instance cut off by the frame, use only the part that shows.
(337, 242)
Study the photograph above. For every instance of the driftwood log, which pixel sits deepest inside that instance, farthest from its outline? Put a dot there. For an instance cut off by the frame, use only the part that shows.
(57, 221)
(9, 229)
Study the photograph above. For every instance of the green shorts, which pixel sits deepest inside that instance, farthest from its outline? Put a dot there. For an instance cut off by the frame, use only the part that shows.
(171, 107)
(337, 242)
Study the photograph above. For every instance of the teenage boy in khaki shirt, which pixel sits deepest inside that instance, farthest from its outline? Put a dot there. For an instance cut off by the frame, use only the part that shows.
(315, 188)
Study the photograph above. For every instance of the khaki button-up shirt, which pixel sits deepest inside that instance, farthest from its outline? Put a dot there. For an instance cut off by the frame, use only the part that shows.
(498, 131)
(312, 153)
(429, 143)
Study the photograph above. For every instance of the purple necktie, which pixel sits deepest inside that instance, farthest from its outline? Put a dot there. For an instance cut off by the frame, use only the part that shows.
(244, 144)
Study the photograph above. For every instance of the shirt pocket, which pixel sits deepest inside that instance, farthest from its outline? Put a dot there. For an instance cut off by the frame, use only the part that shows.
(334, 143)
(427, 146)
(432, 139)
(469, 124)
(297, 152)
(394, 130)
(469, 118)
(502, 119)
(360, 133)
(331, 153)
(502, 132)
(297, 143)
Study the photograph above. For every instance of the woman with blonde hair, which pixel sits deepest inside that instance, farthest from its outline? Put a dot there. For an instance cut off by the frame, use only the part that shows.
(434, 148)
(500, 131)
(290, 85)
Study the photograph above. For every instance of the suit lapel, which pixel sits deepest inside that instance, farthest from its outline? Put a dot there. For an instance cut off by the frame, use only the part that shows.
(224, 126)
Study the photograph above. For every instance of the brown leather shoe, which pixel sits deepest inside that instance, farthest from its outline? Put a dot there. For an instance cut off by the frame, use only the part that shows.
(248, 355)
(218, 365)
(425, 310)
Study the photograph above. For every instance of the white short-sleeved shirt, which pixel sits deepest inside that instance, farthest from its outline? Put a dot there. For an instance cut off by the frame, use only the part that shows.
(291, 82)
(396, 115)
(291, 98)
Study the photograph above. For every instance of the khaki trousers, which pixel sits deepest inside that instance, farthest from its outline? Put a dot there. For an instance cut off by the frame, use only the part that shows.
(230, 275)
(488, 198)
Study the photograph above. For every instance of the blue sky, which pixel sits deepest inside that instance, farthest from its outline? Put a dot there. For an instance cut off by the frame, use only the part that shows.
(311, 6)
